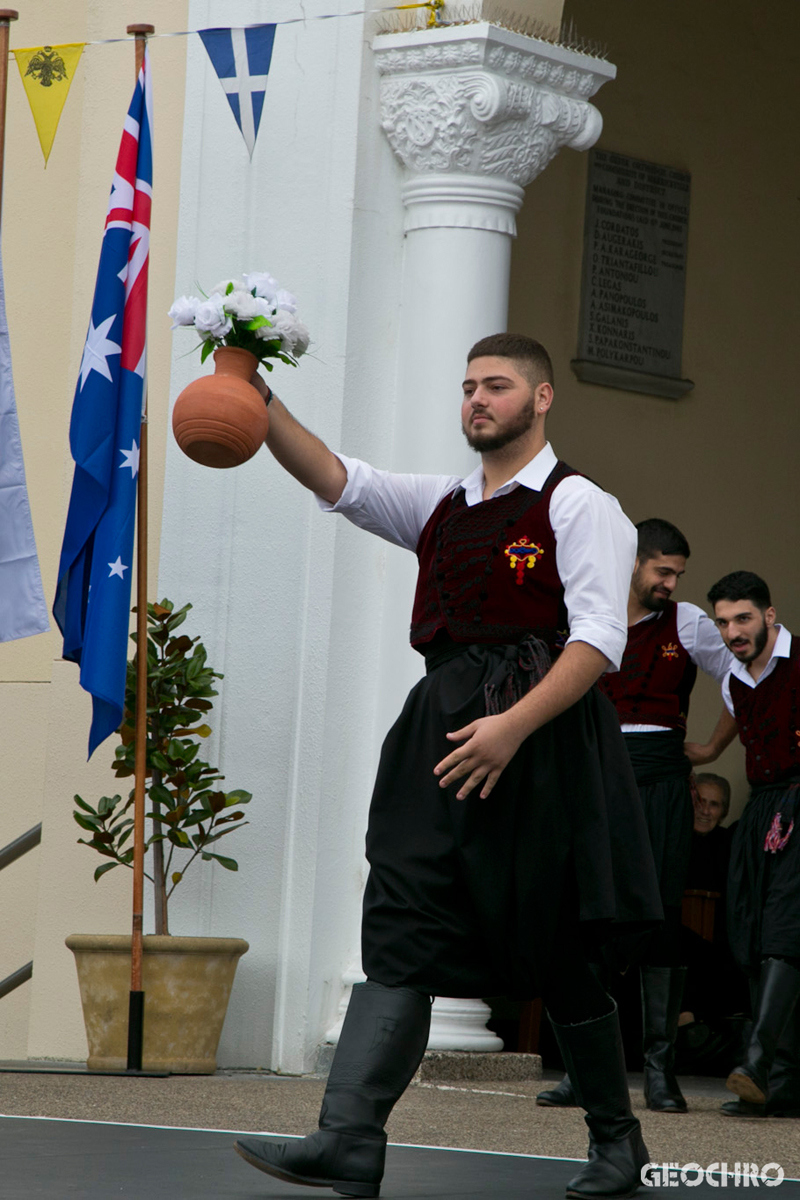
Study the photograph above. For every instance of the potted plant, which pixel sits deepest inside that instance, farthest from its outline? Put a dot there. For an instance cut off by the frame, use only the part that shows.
(187, 981)
(221, 420)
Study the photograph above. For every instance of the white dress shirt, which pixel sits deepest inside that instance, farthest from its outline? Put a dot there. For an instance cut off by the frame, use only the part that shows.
(781, 649)
(595, 541)
(702, 641)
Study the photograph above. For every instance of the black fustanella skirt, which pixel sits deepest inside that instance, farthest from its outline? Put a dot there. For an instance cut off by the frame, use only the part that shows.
(764, 877)
(463, 897)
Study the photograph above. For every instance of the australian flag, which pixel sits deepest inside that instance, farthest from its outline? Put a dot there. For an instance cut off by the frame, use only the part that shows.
(241, 58)
(93, 596)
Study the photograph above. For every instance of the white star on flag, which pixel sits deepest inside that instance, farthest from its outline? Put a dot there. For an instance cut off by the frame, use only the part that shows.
(117, 568)
(131, 459)
(97, 349)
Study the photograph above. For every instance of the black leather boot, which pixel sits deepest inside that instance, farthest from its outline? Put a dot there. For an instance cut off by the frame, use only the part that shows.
(778, 995)
(382, 1042)
(784, 1077)
(595, 1062)
(662, 992)
(561, 1096)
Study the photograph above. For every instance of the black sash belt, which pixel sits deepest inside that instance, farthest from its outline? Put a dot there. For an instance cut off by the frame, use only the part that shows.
(656, 756)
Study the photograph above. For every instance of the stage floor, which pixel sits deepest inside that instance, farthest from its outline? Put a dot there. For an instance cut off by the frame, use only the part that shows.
(60, 1159)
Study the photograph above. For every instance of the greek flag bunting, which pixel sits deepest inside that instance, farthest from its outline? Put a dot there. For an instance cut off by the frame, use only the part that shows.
(93, 596)
(241, 58)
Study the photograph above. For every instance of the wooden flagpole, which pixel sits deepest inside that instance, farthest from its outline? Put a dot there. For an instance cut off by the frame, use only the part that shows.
(7, 15)
(136, 1005)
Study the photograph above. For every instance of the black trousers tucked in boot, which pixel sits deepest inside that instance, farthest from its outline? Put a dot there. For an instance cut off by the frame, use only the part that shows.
(778, 997)
(595, 1062)
(563, 1094)
(662, 992)
(382, 1042)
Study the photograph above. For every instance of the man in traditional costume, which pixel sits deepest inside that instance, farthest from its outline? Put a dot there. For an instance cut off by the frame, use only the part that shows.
(504, 824)
(762, 692)
(667, 642)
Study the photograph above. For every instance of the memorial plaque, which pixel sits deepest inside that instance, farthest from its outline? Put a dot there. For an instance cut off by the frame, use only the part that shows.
(634, 271)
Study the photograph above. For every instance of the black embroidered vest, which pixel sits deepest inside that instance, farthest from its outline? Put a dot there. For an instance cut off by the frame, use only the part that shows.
(487, 573)
(768, 721)
(656, 677)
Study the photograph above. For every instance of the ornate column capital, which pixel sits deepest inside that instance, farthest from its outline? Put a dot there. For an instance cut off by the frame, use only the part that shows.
(476, 112)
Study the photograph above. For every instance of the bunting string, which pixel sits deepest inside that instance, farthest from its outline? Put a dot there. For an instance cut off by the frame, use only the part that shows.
(434, 6)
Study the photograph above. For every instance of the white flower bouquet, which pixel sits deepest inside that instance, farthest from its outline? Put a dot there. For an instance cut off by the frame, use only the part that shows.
(252, 313)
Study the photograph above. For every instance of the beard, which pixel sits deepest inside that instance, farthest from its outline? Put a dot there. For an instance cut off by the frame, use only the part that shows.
(648, 596)
(485, 441)
(759, 642)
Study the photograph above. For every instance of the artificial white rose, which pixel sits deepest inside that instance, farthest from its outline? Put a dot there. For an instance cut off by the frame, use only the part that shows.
(263, 284)
(183, 311)
(286, 301)
(244, 306)
(221, 288)
(301, 339)
(211, 320)
(293, 333)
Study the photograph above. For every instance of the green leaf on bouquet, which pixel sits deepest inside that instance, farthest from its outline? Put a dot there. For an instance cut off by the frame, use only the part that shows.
(229, 288)
(257, 323)
(208, 348)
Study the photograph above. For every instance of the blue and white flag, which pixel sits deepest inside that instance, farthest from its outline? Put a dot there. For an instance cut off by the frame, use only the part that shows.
(23, 611)
(241, 58)
(93, 597)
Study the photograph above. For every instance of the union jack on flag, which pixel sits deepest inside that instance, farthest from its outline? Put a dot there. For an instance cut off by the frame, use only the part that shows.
(93, 595)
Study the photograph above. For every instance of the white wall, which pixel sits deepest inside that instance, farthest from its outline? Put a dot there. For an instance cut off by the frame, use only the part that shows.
(268, 574)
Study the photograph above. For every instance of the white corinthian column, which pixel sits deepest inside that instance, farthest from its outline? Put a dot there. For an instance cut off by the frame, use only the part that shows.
(474, 113)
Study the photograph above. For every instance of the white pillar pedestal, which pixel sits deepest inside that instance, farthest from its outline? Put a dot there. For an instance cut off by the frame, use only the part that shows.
(455, 1024)
(474, 113)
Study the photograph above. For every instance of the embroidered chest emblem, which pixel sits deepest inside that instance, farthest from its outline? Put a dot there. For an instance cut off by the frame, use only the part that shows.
(522, 554)
(670, 650)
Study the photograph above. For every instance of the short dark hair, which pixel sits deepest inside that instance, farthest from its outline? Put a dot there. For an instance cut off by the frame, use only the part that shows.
(720, 782)
(533, 359)
(660, 537)
(741, 585)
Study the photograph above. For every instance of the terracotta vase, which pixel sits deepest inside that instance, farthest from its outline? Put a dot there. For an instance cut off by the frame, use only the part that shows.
(221, 420)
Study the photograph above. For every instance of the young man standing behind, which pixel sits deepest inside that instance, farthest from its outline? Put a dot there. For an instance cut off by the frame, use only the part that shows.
(667, 642)
(762, 692)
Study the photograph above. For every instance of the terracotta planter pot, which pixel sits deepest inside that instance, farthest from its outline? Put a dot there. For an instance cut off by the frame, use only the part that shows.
(221, 420)
(187, 984)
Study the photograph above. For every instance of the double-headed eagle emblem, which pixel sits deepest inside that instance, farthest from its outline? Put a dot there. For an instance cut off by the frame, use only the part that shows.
(47, 67)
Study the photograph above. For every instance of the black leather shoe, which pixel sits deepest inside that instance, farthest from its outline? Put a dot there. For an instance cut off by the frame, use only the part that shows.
(662, 991)
(352, 1166)
(561, 1096)
(741, 1108)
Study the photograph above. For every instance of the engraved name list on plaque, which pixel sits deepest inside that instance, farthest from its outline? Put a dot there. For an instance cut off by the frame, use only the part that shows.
(634, 274)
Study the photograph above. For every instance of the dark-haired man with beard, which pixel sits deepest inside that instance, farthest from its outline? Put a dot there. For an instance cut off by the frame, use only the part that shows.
(762, 692)
(667, 642)
(504, 824)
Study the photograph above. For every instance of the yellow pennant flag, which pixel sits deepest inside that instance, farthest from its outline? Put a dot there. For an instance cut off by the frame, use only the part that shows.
(47, 73)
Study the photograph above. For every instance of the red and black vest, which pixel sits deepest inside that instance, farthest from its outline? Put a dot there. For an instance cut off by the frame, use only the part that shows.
(487, 572)
(769, 723)
(655, 680)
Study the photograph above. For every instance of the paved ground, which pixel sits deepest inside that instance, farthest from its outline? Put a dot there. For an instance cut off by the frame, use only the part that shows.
(484, 1116)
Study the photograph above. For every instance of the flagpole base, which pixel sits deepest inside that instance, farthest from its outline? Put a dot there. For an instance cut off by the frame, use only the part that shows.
(135, 1031)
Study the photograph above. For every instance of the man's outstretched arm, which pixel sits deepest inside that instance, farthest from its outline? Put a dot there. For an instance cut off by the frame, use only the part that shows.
(301, 452)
